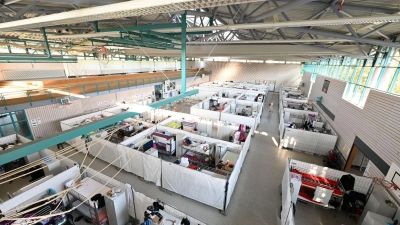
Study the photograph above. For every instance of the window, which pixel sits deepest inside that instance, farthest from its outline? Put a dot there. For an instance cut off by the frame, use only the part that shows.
(238, 60)
(255, 61)
(396, 87)
(364, 76)
(272, 61)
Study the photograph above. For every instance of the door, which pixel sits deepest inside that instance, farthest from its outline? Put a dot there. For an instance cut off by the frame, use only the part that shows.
(350, 159)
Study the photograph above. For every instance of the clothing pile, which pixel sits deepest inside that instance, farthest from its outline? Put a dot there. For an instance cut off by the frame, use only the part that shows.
(152, 214)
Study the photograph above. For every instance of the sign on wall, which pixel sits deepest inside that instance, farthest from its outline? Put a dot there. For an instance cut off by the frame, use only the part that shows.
(325, 86)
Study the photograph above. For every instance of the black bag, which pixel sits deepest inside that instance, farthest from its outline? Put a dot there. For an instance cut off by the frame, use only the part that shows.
(185, 221)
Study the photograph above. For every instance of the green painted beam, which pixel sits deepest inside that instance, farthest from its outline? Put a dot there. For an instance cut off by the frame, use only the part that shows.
(149, 36)
(142, 44)
(143, 28)
(46, 43)
(190, 33)
(40, 144)
(164, 35)
(134, 43)
(183, 53)
(174, 98)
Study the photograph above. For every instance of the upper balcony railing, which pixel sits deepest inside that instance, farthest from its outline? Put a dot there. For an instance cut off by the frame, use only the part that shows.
(30, 95)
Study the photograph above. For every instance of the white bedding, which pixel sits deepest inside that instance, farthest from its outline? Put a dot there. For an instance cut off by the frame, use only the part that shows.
(90, 187)
(231, 156)
(198, 148)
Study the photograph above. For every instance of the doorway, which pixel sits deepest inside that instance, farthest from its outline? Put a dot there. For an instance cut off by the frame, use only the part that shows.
(356, 162)
(360, 155)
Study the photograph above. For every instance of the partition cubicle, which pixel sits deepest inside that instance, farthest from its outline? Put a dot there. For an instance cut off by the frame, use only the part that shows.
(211, 107)
(248, 113)
(85, 119)
(195, 181)
(240, 85)
(305, 130)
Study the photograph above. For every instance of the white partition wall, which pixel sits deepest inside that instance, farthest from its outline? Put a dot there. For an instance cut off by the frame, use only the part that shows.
(286, 195)
(202, 95)
(236, 171)
(202, 187)
(202, 109)
(56, 183)
(78, 142)
(307, 141)
(16, 137)
(229, 114)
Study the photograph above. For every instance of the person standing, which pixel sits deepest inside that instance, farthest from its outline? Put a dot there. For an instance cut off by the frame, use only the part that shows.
(271, 107)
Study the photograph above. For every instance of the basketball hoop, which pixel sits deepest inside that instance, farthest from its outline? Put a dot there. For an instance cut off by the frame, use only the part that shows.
(384, 183)
(102, 56)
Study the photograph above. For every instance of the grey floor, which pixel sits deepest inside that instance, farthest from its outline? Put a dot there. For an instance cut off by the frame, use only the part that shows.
(256, 199)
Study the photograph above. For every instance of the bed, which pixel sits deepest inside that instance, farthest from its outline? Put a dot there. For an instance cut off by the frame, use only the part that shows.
(165, 144)
(174, 125)
(199, 148)
(89, 209)
(231, 156)
(310, 182)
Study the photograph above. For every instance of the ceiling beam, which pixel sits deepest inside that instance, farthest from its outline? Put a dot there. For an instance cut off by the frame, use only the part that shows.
(287, 41)
(343, 36)
(114, 11)
(288, 6)
(376, 30)
(24, 10)
(348, 6)
(319, 15)
(350, 29)
(256, 9)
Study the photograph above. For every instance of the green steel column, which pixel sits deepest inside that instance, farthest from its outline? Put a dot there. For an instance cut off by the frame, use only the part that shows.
(96, 26)
(396, 74)
(352, 77)
(183, 54)
(13, 123)
(46, 42)
(3, 101)
(384, 66)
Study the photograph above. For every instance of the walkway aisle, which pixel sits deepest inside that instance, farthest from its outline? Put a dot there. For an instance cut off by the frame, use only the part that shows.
(256, 199)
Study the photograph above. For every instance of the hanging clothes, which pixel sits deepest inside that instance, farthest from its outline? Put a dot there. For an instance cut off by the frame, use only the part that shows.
(348, 182)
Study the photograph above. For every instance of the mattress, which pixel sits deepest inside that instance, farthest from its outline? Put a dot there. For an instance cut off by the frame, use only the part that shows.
(198, 148)
(231, 156)
(174, 125)
(90, 187)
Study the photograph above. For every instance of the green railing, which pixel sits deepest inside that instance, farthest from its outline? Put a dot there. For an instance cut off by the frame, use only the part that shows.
(82, 90)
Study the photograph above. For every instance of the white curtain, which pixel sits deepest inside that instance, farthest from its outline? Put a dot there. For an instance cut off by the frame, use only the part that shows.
(141, 204)
(130, 200)
(205, 126)
(194, 184)
(152, 169)
(286, 196)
